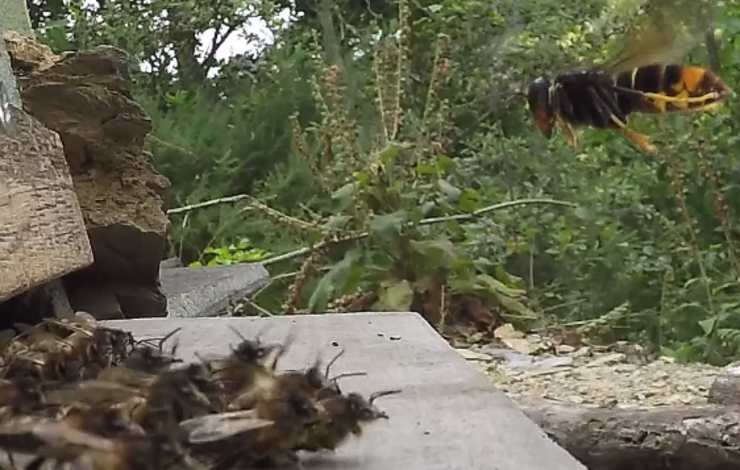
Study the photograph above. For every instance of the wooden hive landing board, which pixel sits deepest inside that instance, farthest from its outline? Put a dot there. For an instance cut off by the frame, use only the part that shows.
(449, 417)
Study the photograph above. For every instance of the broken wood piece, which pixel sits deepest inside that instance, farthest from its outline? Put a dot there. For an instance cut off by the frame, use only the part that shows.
(656, 438)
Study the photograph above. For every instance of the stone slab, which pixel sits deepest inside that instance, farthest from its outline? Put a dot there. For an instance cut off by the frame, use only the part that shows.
(207, 291)
(449, 416)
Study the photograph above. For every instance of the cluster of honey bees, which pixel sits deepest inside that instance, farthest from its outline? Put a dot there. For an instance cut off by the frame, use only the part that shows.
(78, 395)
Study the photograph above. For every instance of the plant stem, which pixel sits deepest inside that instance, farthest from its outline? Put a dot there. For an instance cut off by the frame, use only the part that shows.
(430, 221)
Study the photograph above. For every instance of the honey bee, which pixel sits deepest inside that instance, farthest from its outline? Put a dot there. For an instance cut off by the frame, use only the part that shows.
(263, 436)
(341, 417)
(219, 426)
(314, 382)
(155, 402)
(248, 373)
(179, 394)
(57, 350)
(20, 397)
(49, 440)
(151, 359)
(77, 395)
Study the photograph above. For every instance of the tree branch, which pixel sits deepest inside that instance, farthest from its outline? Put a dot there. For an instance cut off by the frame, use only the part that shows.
(433, 220)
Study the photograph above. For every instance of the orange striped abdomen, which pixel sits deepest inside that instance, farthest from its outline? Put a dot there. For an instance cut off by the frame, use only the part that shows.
(673, 81)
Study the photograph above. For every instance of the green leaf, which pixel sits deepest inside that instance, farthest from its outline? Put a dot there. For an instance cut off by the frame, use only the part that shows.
(445, 164)
(507, 278)
(423, 170)
(337, 221)
(392, 151)
(582, 213)
(397, 297)
(345, 192)
(483, 264)
(441, 250)
(387, 225)
(333, 281)
(514, 306)
(469, 200)
(497, 286)
(345, 195)
(452, 192)
(708, 325)
(427, 207)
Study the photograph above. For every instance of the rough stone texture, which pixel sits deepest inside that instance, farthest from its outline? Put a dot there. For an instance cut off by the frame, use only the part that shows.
(85, 97)
(725, 389)
(448, 417)
(42, 233)
(208, 291)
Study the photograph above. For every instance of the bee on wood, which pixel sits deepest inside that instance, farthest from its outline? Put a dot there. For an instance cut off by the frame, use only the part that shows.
(217, 427)
(57, 350)
(155, 402)
(95, 344)
(49, 440)
(341, 417)
(264, 436)
(152, 359)
(643, 77)
(179, 394)
(103, 421)
(248, 373)
(313, 382)
(20, 397)
(47, 367)
(95, 399)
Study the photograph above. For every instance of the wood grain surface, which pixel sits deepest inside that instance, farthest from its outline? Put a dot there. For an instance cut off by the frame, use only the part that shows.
(42, 233)
(448, 417)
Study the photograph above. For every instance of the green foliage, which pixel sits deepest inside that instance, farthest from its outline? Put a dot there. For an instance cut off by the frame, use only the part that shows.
(379, 155)
(387, 206)
(241, 252)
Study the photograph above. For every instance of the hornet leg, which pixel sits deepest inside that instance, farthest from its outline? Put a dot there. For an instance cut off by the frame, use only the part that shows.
(604, 103)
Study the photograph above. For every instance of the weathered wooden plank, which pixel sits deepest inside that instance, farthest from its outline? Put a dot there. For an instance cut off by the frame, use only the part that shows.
(207, 291)
(448, 417)
(42, 234)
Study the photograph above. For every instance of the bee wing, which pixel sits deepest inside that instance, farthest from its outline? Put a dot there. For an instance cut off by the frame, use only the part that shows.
(665, 32)
(90, 392)
(85, 318)
(125, 375)
(74, 326)
(219, 426)
(33, 435)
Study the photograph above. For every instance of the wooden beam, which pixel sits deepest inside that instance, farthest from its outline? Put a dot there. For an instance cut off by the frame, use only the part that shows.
(42, 232)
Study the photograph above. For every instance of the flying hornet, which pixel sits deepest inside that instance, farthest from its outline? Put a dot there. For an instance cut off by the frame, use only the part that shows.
(644, 76)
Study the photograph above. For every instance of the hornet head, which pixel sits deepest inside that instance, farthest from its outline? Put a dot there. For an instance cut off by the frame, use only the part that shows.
(540, 105)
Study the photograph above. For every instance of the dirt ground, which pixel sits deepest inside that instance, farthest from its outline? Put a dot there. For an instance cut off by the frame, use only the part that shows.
(526, 366)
